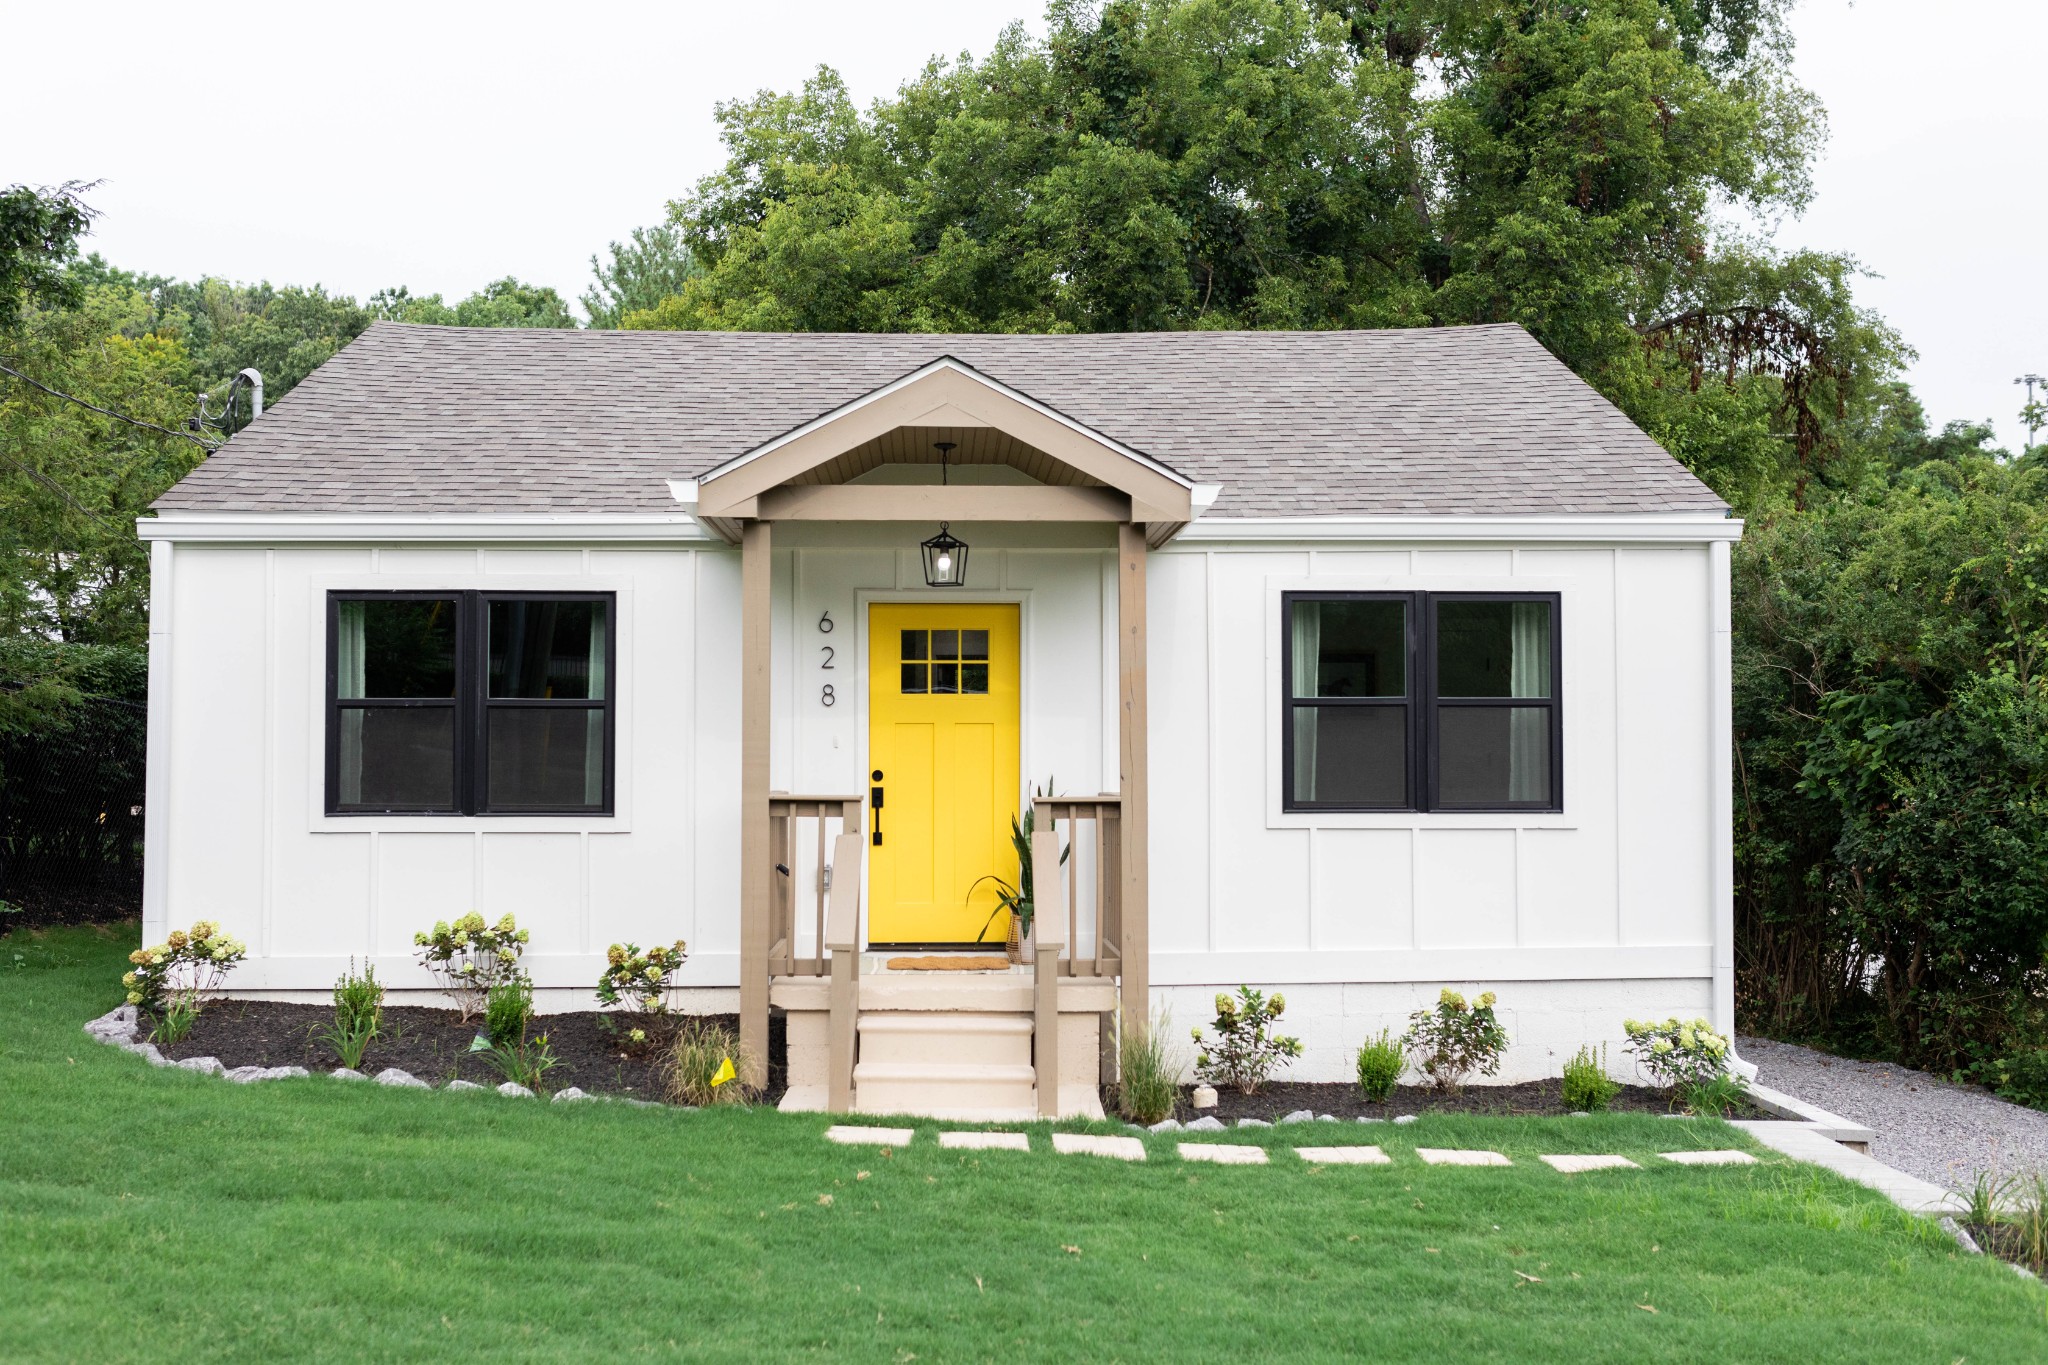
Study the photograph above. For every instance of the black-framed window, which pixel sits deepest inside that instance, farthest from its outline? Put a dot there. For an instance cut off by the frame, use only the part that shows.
(1409, 701)
(470, 703)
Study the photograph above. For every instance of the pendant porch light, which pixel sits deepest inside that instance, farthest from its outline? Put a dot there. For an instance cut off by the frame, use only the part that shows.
(945, 555)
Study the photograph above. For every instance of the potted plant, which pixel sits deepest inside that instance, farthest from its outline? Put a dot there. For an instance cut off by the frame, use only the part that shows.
(1015, 897)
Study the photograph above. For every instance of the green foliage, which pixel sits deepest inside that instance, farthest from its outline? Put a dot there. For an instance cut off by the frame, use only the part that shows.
(358, 1015)
(501, 303)
(508, 1009)
(1676, 1053)
(1380, 1064)
(1456, 1040)
(640, 981)
(174, 1021)
(651, 266)
(184, 971)
(2021, 1077)
(1711, 1096)
(1148, 1072)
(699, 1055)
(469, 957)
(39, 232)
(524, 1062)
(1587, 1086)
(1245, 1052)
(1016, 897)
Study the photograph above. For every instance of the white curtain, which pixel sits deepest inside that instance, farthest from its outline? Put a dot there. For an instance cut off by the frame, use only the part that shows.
(350, 680)
(1308, 656)
(593, 739)
(1529, 726)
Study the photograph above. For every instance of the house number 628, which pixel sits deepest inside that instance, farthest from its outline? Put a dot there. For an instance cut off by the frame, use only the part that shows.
(825, 628)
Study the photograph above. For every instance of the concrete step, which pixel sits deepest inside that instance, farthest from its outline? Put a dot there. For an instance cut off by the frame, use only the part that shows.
(941, 1088)
(954, 1039)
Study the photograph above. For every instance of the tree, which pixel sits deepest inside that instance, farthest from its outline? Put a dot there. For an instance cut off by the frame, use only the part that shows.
(502, 303)
(652, 265)
(39, 232)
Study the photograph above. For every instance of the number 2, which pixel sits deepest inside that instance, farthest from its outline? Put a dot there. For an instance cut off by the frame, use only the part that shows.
(828, 656)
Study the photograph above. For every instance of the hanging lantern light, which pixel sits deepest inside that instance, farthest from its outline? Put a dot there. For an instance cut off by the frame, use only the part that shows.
(945, 555)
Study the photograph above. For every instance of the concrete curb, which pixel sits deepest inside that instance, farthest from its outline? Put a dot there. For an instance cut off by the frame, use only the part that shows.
(1809, 1142)
(1831, 1126)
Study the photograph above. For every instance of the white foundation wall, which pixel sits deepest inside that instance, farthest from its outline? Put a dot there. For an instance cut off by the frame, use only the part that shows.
(236, 777)
(1581, 917)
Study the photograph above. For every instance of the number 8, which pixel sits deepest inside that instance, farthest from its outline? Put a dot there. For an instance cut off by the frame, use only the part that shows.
(828, 698)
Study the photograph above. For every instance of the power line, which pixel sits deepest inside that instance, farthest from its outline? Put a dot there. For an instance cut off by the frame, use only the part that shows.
(208, 446)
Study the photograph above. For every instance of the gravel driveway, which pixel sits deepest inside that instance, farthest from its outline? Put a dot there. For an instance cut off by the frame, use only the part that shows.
(1925, 1126)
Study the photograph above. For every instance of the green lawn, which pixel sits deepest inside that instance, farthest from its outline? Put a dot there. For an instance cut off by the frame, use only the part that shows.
(147, 1214)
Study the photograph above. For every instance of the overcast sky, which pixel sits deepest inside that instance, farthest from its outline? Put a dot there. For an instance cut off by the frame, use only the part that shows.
(441, 146)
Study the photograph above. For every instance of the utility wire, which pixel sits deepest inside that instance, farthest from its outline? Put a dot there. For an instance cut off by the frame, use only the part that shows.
(208, 446)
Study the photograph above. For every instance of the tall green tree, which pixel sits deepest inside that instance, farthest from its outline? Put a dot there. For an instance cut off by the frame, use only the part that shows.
(501, 303)
(39, 232)
(652, 264)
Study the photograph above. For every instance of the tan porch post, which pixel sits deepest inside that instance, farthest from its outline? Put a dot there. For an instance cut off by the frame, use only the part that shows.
(1130, 621)
(756, 643)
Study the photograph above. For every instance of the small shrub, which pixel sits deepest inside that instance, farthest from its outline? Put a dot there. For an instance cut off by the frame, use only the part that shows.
(183, 972)
(1587, 1085)
(2021, 1078)
(1380, 1064)
(358, 1015)
(522, 1062)
(640, 981)
(1148, 1085)
(469, 957)
(175, 1022)
(1711, 1095)
(1674, 1054)
(1245, 1053)
(508, 1009)
(2008, 1217)
(1456, 1040)
(701, 1054)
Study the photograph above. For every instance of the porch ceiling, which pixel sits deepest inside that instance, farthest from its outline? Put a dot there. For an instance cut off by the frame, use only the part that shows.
(976, 445)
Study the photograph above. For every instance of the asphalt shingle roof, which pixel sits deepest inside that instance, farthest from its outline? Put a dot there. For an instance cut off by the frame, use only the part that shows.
(1454, 420)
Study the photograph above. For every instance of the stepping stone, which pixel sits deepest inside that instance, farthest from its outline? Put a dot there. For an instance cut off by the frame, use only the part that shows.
(986, 1142)
(1223, 1153)
(1572, 1165)
(1208, 1123)
(1710, 1158)
(391, 1075)
(855, 1134)
(1088, 1144)
(1344, 1156)
(1461, 1156)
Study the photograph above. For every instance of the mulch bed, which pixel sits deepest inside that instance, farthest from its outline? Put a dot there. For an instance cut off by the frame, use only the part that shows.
(1529, 1099)
(434, 1044)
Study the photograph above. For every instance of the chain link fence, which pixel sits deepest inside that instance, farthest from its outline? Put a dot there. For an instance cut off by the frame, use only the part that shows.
(71, 816)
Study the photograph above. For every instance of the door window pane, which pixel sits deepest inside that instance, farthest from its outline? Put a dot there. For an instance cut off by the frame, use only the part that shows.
(394, 647)
(1493, 649)
(546, 757)
(545, 648)
(397, 757)
(945, 677)
(914, 678)
(945, 644)
(974, 644)
(1351, 755)
(1493, 755)
(974, 679)
(913, 644)
(1349, 649)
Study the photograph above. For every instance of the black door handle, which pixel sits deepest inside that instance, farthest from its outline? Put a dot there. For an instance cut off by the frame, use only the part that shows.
(875, 799)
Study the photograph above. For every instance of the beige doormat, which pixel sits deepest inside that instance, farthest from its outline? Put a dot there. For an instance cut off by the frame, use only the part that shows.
(949, 962)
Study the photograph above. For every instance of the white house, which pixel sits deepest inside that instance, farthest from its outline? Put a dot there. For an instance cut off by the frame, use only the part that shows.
(1349, 664)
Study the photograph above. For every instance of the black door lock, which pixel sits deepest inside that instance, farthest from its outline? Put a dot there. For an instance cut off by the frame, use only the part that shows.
(875, 799)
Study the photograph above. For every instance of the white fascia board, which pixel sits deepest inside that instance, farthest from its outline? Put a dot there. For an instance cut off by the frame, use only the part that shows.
(1670, 527)
(289, 528)
(959, 367)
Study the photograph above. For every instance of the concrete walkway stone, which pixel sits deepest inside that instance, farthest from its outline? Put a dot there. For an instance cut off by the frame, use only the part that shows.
(1090, 1144)
(1461, 1156)
(986, 1142)
(1803, 1142)
(1710, 1158)
(1574, 1163)
(854, 1135)
(1223, 1153)
(1344, 1156)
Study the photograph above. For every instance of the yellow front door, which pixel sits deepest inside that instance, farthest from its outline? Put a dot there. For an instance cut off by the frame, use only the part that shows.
(943, 731)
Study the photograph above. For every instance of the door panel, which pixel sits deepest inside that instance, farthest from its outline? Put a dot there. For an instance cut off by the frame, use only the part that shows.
(943, 717)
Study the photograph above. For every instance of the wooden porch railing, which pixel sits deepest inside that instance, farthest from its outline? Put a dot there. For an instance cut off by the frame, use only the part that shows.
(799, 837)
(1048, 930)
(842, 940)
(1090, 885)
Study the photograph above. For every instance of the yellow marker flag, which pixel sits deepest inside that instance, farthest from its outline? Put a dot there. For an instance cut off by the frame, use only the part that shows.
(725, 1073)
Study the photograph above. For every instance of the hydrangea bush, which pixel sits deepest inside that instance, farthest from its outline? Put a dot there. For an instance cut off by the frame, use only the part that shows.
(1674, 1054)
(1245, 1053)
(640, 981)
(184, 971)
(1456, 1040)
(469, 957)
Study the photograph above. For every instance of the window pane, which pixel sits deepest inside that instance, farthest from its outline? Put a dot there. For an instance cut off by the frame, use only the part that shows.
(913, 678)
(1351, 755)
(974, 644)
(1349, 649)
(945, 644)
(913, 644)
(1493, 755)
(395, 648)
(548, 649)
(398, 757)
(1493, 649)
(945, 677)
(546, 757)
(974, 678)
